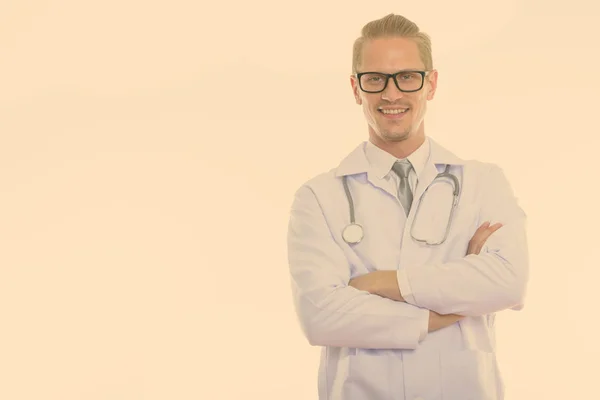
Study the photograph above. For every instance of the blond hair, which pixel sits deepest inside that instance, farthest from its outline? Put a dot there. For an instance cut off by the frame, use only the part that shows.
(393, 25)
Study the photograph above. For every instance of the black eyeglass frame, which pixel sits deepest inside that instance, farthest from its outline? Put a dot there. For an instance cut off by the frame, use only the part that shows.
(394, 76)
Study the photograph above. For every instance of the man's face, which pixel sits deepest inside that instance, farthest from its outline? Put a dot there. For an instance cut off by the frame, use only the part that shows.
(391, 55)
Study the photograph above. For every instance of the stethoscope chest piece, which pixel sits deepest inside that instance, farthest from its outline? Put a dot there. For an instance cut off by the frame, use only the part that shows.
(353, 234)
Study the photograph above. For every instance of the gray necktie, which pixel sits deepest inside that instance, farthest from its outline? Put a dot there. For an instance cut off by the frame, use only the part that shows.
(402, 168)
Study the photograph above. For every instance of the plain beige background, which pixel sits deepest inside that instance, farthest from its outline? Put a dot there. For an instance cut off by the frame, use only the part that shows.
(149, 151)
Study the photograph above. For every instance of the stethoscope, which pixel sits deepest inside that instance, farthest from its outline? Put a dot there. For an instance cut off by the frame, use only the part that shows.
(354, 233)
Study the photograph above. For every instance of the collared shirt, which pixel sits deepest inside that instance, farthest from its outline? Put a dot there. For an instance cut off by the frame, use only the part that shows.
(382, 161)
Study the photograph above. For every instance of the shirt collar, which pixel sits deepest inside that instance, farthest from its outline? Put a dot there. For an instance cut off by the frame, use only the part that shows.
(358, 162)
(381, 161)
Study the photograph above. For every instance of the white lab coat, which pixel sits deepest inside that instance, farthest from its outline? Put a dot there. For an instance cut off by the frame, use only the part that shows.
(375, 348)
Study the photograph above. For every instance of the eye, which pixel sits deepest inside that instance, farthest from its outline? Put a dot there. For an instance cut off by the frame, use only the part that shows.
(408, 76)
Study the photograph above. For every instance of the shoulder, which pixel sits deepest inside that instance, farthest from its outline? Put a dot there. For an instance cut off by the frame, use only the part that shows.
(489, 178)
(319, 183)
(472, 167)
(486, 168)
(480, 167)
(327, 182)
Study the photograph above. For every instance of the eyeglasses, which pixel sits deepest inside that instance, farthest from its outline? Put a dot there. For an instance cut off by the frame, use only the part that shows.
(406, 81)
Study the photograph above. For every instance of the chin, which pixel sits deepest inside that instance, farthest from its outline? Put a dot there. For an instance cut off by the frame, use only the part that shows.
(395, 136)
(400, 137)
(396, 132)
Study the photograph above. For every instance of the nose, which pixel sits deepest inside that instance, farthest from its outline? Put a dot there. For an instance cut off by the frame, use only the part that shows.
(391, 92)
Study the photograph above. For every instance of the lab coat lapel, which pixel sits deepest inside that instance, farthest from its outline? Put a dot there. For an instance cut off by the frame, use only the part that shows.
(438, 158)
(356, 163)
(380, 183)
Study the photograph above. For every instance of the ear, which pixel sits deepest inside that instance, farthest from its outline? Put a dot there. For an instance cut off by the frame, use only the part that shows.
(355, 89)
(432, 87)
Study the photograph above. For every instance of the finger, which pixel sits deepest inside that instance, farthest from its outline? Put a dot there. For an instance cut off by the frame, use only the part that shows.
(482, 239)
(485, 235)
(491, 229)
(495, 227)
(479, 233)
(483, 227)
(478, 241)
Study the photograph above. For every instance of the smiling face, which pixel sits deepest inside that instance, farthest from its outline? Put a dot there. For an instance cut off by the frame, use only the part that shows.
(395, 118)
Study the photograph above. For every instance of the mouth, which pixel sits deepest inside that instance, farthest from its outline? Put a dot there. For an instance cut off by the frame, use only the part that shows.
(393, 113)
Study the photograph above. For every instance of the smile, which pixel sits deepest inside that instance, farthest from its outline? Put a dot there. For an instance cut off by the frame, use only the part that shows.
(394, 111)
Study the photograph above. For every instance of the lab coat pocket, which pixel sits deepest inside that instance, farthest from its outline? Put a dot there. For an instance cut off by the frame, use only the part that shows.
(369, 375)
(468, 375)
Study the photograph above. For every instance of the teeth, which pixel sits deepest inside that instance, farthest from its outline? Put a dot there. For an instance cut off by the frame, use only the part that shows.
(398, 111)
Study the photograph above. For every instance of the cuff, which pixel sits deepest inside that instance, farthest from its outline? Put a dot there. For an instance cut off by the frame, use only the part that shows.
(404, 286)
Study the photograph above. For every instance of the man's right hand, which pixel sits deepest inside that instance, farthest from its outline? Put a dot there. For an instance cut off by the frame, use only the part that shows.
(438, 321)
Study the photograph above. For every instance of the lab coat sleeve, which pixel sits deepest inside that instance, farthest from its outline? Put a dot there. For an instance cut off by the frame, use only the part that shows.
(330, 312)
(478, 284)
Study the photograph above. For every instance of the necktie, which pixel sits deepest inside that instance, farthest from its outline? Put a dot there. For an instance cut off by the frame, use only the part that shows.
(402, 168)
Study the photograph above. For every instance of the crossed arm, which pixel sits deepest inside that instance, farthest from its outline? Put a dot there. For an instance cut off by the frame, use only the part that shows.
(396, 310)
(385, 283)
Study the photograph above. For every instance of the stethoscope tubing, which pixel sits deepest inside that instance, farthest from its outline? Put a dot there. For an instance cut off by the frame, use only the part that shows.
(358, 231)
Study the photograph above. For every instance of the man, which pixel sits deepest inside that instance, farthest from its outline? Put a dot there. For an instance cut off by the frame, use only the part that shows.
(404, 306)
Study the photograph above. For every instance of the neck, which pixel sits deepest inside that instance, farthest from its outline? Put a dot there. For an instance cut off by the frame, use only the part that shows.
(400, 148)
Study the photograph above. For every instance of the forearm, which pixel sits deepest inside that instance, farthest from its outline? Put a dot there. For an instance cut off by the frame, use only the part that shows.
(438, 321)
(385, 284)
(473, 286)
(346, 317)
(471, 300)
